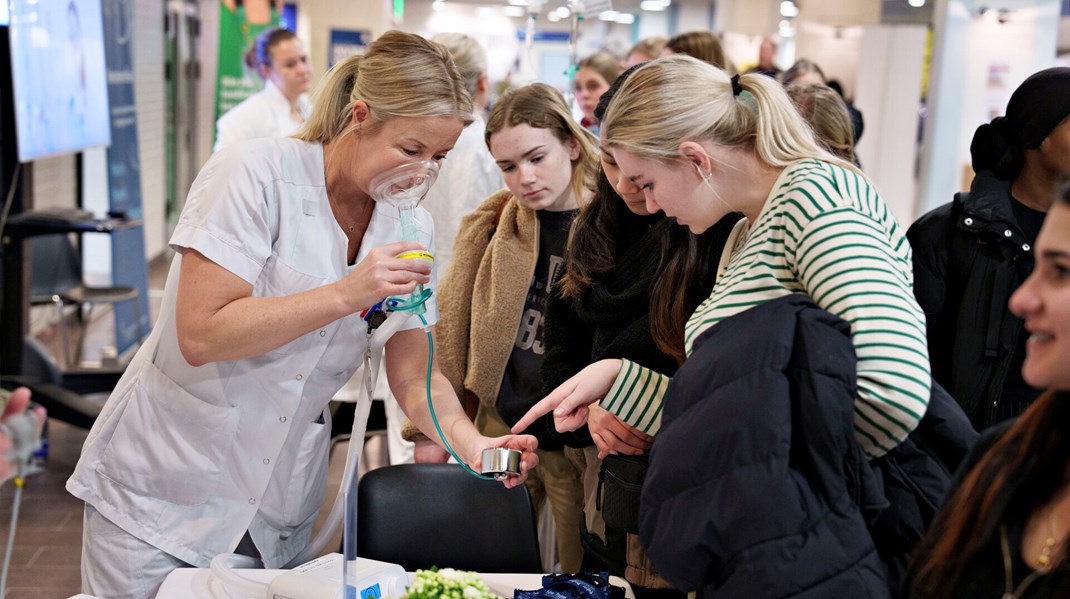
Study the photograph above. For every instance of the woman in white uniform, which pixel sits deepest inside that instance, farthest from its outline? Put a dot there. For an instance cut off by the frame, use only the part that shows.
(216, 437)
(282, 106)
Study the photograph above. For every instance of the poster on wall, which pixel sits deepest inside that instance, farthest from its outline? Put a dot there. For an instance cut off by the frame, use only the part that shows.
(345, 43)
(124, 172)
(240, 21)
(998, 89)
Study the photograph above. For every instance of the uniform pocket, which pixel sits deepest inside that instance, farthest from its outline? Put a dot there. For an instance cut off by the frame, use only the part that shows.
(169, 444)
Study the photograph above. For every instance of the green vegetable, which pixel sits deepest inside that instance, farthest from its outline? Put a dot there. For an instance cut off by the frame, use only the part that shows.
(448, 583)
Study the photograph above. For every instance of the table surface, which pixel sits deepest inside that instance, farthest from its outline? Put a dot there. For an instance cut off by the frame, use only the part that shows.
(193, 583)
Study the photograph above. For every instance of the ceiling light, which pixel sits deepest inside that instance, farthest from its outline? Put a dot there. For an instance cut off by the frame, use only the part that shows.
(626, 18)
(653, 5)
(916, 3)
(514, 11)
(608, 15)
(790, 10)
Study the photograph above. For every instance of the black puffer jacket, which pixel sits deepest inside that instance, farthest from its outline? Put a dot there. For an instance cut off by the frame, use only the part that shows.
(757, 488)
(969, 257)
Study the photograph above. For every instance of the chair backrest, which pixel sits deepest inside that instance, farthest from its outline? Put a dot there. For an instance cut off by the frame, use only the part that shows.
(55, 266)
(423, 515)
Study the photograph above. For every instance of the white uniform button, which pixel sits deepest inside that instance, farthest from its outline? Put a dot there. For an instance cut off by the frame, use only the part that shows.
(252, 501)
(282, 419)
(1007, 233)
(299, 377)
(267, 460)
(969, 222)
(1026, 247)
(323, 333)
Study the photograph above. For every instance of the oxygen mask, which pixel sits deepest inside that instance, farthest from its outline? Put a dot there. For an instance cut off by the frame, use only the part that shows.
(404, 187)
(406, 184)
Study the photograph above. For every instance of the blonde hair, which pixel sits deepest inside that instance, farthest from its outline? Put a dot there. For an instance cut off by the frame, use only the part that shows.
(542, 106)
(649, 46)
(827, 114)
(469, 55)
(703, 45)
(678, 98)
(604, 63)
(402, 75)
(800, 68)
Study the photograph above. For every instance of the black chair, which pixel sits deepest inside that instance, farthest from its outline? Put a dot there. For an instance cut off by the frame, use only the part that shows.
(56, 278)
(423, 515)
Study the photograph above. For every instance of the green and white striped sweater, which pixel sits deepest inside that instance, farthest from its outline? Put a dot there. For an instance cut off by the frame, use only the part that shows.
(823, 232)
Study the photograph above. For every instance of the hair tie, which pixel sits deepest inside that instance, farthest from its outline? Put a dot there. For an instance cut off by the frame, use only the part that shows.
(736, 87)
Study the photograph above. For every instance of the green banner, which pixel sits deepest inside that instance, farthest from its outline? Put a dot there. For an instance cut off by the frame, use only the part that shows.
(235, 81)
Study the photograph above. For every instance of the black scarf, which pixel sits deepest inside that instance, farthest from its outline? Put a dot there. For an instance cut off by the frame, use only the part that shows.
(617, 306)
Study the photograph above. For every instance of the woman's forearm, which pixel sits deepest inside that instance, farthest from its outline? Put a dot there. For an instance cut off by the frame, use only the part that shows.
(218, 319)
(252, 326)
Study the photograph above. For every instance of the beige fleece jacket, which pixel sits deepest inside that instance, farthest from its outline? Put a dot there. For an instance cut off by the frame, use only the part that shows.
(481, 297)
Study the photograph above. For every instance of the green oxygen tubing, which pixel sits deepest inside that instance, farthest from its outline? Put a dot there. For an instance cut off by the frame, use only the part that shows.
(402, 187)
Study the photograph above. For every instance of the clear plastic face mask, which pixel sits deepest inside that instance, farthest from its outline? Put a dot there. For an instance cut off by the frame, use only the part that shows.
(406, 184)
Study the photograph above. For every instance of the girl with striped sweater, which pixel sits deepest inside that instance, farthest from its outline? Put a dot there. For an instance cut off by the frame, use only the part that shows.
(702, 145)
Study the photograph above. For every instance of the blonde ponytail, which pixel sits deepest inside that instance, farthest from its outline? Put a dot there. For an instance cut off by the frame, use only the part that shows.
(331, 104)
(402, 75)
(783, 136)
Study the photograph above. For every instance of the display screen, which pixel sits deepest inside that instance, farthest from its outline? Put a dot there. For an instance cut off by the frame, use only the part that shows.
(60, 79)
(5, 16)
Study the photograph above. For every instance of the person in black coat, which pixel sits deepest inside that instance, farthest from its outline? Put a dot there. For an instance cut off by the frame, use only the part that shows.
(757, 487)
(971, 254)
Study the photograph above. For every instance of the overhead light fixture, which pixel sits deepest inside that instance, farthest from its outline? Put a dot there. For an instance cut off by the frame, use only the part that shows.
(518, 2)
(626, 18)
(608, 15)
(916, 3)
(514, 11)
(654, 5)
(438, 5)
(562, 12)
(790, 10)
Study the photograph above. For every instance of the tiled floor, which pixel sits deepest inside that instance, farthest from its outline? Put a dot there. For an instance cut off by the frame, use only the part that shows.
(45, 557)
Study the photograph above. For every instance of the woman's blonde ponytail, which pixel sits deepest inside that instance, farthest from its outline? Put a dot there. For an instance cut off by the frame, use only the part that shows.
(331, 102)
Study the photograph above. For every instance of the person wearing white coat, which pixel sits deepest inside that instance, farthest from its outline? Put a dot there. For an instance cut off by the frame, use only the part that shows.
(280, 109)
(215, 440)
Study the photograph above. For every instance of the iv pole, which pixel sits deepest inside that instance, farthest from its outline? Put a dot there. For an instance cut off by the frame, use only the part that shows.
(575, 15)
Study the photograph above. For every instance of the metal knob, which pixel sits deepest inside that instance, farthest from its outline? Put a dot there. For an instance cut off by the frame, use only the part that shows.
(501, 462)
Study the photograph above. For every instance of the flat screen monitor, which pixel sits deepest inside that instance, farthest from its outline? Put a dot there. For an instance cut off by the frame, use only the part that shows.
(59, 76)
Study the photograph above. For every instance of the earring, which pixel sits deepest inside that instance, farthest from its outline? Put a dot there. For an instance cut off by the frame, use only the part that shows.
(705, 176)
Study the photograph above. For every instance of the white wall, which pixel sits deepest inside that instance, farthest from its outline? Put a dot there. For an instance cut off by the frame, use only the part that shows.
(841, 13)
(968, 47)
(835, 49)
(752, 17)
(890, 67)
(151, 104)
